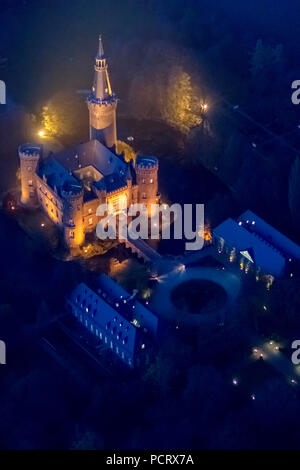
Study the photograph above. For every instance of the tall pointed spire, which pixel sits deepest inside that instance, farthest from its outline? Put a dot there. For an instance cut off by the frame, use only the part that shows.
(100, 49)
(101, 88)
(102, 103)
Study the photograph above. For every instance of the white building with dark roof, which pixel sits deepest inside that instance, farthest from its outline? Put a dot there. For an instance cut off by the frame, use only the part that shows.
(256, 246)
(114, 316)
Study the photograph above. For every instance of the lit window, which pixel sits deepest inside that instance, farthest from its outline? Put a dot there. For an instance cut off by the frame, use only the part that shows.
(90, 211)
(30, 183)
(143, 195)
(29, 168)
(90, 220)
(151, 180)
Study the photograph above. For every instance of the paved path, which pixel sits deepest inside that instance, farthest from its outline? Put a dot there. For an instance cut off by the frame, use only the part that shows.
(282, 363)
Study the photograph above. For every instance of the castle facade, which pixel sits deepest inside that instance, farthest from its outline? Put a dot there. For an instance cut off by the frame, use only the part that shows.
(70, 185)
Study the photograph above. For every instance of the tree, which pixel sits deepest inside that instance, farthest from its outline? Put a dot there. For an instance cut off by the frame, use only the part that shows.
(63, 115)
(127, 150)
(182, 103)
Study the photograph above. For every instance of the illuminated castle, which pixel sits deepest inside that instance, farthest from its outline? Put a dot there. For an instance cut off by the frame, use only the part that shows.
(70, 185)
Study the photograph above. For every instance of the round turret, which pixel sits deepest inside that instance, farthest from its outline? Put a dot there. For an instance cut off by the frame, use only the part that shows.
(73, 215)
(146, 169)
(29, 155)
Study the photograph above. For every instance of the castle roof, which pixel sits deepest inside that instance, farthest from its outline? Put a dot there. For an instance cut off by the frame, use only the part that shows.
(59, 168)
(56, 174)
(111, 183)
(92, 153)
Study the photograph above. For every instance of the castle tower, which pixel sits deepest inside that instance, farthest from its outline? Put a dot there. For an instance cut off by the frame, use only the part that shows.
(73, 217)
(146, 169)
(102, 104)
(30, 155)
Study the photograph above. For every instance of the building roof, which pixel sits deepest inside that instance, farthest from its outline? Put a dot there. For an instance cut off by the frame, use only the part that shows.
(60, 168)
(255, 224)
(92, 153)
(57, 175)
(105, 316)
(265, 255)
(132, 309)
(111, 183)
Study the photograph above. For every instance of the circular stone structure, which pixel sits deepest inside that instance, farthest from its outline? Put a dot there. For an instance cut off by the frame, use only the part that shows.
(198, 296)
(223, 287)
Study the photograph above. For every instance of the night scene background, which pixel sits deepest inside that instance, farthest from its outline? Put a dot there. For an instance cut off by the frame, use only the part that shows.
(206, 88)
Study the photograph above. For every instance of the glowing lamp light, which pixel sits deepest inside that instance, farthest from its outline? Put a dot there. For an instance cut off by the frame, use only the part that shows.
(252, 397)
(42, 225)
(205, 106)
(261, 355)
(255, 350)
(276, 348)
(147, 302)
(41, 133)
(235, 382)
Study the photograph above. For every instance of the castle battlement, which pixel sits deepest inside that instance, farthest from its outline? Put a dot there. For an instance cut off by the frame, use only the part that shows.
(30, 151)
(146, 163)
